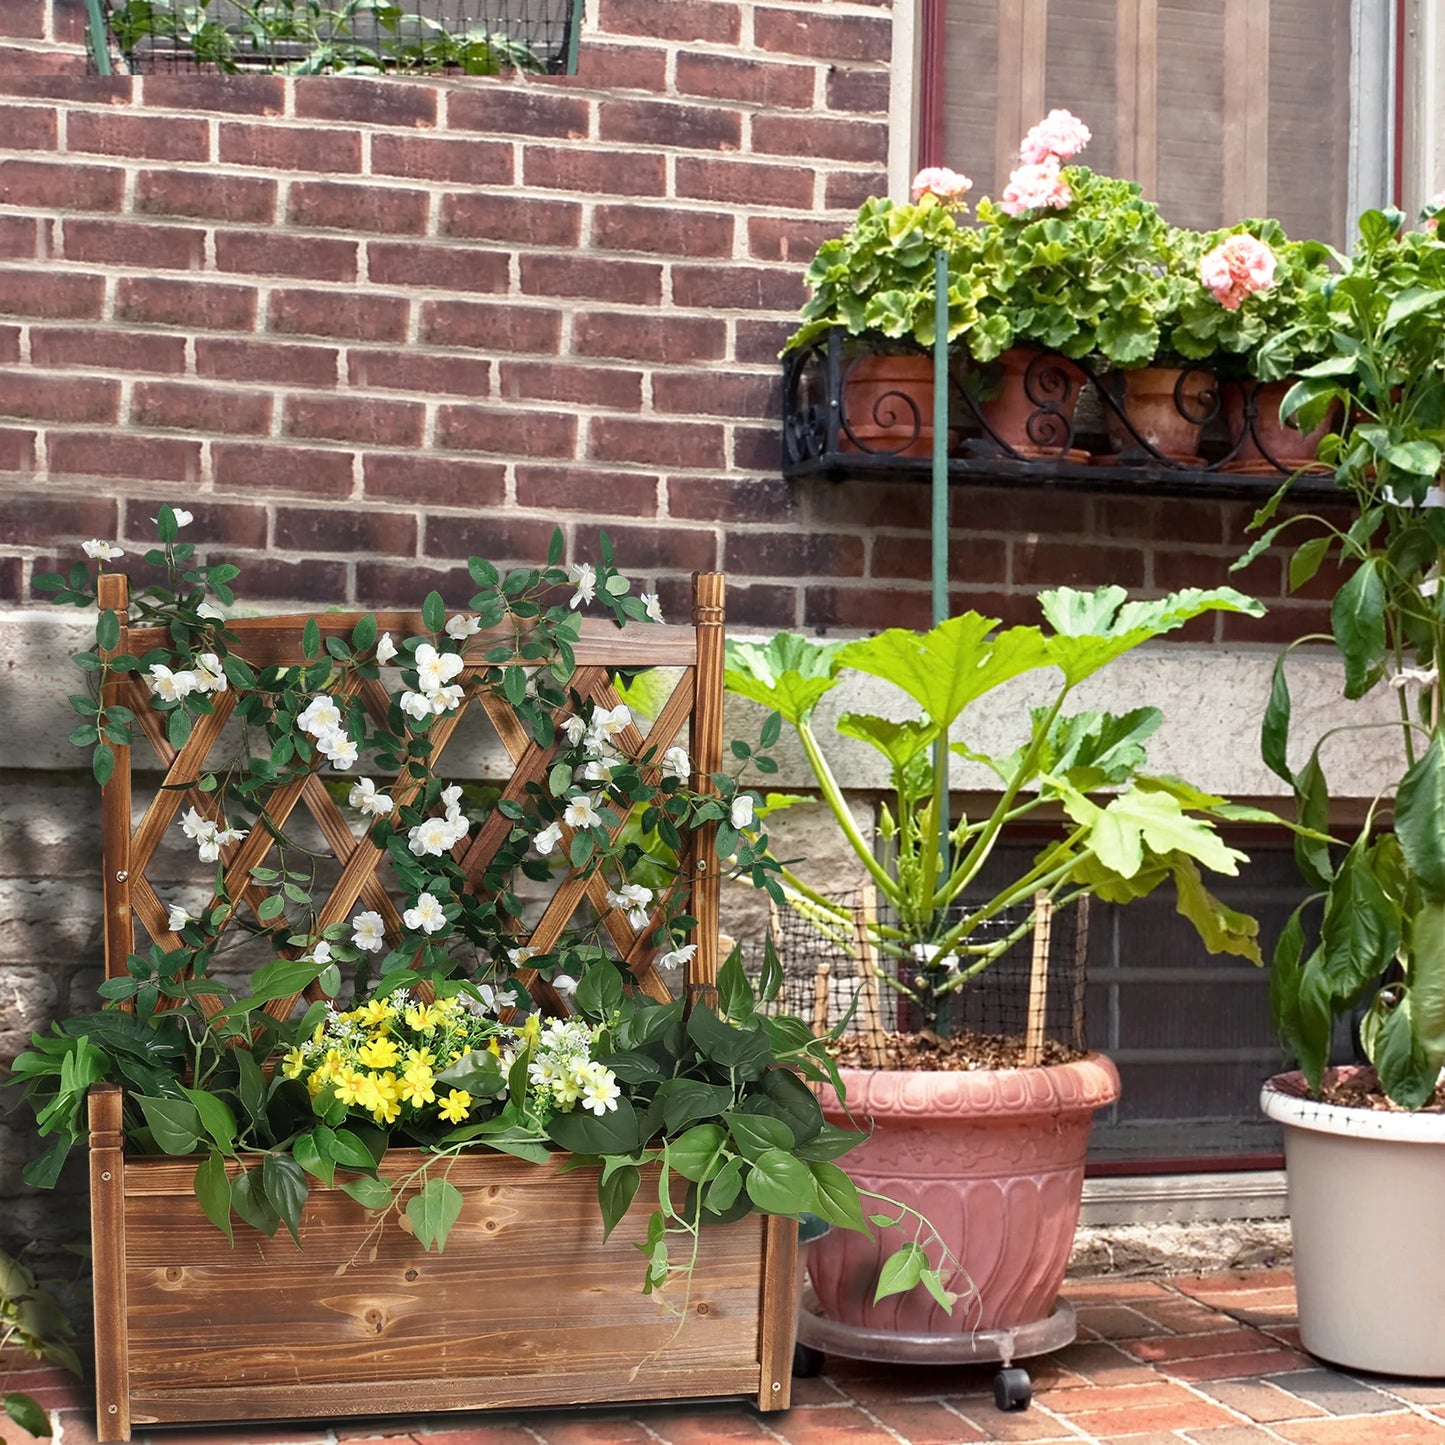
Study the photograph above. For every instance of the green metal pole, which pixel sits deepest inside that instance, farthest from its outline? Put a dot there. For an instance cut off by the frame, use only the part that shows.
(940, 519)
(99, 50)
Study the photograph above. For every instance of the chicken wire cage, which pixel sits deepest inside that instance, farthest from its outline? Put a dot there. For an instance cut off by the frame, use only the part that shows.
(1034, 991)
(312, 37)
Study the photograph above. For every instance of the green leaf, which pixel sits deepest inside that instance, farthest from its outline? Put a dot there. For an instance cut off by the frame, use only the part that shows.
(27, 1414)
(614, 1132)
(1361, 929)
(344, 1149)
(363, 635)
(107, 630)
(1221, 929)
(599, 993)
(901, 1271)
(723, 1191)
(789, 674)
(1420, 819)
(756, 1134)
(1426, 976)
(779, 1184)
(432, 1211)
(1274, 732)
(368, 1191)
(434, 612)
(1421, 458)
(248, 1199)
(102, 764)
(174, 1123)
(216, 1118)
(1357, 619)
(1399, 1059)
(697, 1154)
(308, 1155)
(286, 1188)
(615, 1193)
(1411, 302)
(1306, 561)
(735, 993)
(686, 1100)
(772, 729)
(789, 1099)
(838, 1200)
(311, 638)
(213, 1190)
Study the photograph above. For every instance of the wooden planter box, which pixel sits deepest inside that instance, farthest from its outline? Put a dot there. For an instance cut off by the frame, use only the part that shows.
(526, 1307)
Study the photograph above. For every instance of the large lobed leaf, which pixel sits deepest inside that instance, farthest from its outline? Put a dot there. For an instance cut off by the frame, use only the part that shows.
(789, 673)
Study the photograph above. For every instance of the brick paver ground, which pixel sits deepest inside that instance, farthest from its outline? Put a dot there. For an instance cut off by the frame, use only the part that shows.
(1207, 1361)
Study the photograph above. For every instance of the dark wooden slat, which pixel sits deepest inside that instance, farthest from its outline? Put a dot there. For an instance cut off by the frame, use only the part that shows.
(708, 596)
(777, 1313)
(112, 593)
(107, 1244)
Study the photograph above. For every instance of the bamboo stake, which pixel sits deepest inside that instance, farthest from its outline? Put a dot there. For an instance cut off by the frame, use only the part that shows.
(865, 916)
(820, 999)
(1081, 968)
(1039, 979)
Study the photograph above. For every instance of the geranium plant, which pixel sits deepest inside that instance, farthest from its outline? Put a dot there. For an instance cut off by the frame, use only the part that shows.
(421, 1027)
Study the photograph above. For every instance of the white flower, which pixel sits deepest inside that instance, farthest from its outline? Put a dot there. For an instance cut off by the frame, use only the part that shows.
(338, 748)
(676, 764)
(574, 727)
(104, 550)
(1415, 676)
(650, 605)
(452, 801)
(435, 669)
(176, 918)
(485, 1001)
(1429, 587)
(208, 673)
(444, 699)
(227, 836)
(416, 705)
(632, 899)
(321, 715)
(583, 576)
(431, 838)
(599, 770)
(565, 984)
(741, 815)
(517, 957)
(365, 799)
(206, 609)
(321, 953)
(579, 813)
(678, 956)
(195, 825)
(171, 686)
(368, 932)
(427, 915)
(548, 838)
(385, 649)
(463, 626)
(183, 517)
(609, 722)
(601, 1091)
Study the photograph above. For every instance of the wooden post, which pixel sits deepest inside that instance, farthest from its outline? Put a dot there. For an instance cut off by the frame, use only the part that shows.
(107, 1244)
(778, 1312)
(708, 592)
(865, 916)
(1039, 980)
(113, 594)
(820, 998)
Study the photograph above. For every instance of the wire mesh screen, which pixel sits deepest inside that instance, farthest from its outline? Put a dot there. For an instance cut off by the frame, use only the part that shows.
(823, 976)
(309, 37)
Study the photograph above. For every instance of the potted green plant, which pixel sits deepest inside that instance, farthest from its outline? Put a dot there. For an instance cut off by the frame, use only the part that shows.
(347, 1049)
(1004, 1146)
(1364, 1145)
(33, 1323)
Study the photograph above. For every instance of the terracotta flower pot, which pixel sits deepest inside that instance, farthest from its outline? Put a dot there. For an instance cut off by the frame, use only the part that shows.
(995, 1159)
(1271, 446)
(1167, 407)
(888, 405)
(1032, 413)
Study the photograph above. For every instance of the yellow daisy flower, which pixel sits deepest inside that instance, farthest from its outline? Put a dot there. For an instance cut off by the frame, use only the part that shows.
(294, 1063)
(379, 1053)
(455, 1107)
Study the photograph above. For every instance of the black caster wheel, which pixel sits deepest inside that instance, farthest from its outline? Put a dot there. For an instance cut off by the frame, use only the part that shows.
(1012, 1389)
(807, 1362)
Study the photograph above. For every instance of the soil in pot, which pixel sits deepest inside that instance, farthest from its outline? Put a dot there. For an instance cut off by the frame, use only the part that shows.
(1028, 404)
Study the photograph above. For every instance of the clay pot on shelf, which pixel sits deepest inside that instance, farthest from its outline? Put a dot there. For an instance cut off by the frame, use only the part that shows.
(1167, 408)
(1270, 447)
(1031, 397)
(888, 405)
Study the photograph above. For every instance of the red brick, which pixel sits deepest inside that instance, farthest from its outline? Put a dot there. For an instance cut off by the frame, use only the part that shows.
(577, 489)
(274, 253)
(229, 94)
(863, 91)
(610, 172)
(27, 127)
(175, 248)
(69, 23)
(739, 182)
(435, 481)
(61, 186)
(491, 327)
(791, 239)
(530, 434)
(697, 20)
(357, 316)
(425, 263)
(17, 451)
(1011, 511)
(28, 519)
(9, 343)
(108, 348)
(32, 81)
(522, 219)
(289, 147)
(847, 190)
(731, 394)
(24, 19)
(384, 100)
(416, 371)
(333, 529)
(618, 388)
(231, 524)
(68, 64)
(124, 454)
(59, 398)
(181, 406)
(756, 288)
(649, 338)
(50, 293)
(656, 443)
(970, 559)
(791, 554)
(761, 341)
(273, 362)
(602, 64)
(467, 161)
(666, 230)
(218, 198)
(822, 37)
(21, 237)
(661, 122)
(167, 138)
(210, 306)
(866, 607)
(305, 581)
(639, 282)
(512, 539)
(815, 137)
(761, 605)
(756, 449)
(337, 205)
(355, 419)
(687, 549)
(755, 82)
(254, 466)
(1048, 563)
(519, 110)
(708, 500)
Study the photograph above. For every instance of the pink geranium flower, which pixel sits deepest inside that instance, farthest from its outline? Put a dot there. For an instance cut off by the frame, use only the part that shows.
(1059, 133)
(1236, 268)
(1036, 185)
(946, 186)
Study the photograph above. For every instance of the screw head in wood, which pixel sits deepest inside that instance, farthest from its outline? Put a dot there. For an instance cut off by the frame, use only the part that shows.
(777, 1385)
(106, 1176)
(121, 876)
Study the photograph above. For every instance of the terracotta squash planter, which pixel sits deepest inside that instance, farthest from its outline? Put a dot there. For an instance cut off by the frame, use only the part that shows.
(995, 1159)
(1365, 1198)
(888, 405)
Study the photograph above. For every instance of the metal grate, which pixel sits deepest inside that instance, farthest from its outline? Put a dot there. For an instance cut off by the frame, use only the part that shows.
(358, 37)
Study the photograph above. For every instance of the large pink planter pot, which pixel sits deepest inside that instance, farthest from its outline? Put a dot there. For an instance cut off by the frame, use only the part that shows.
(994, 1159)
